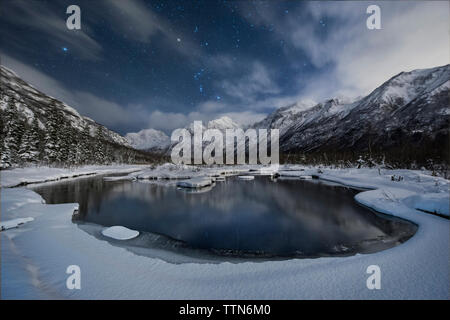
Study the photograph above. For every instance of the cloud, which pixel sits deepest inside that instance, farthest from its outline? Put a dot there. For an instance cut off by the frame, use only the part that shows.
(129, 117)
(244, 118)
(136, 21)
(131, 19)
(48, 25)
(351, 59)
(101, 110)
(257, 82)
(346, 60)
(414, 37)
(169, 121)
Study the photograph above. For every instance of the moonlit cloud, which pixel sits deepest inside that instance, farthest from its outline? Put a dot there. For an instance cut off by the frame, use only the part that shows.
(257, 82)
(139, 66)
(139, 22)
(47, 24)
(101, 110)
(356, 60)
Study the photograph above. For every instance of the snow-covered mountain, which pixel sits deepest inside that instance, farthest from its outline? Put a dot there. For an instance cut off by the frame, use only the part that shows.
(284, 116)
(36, 128)
(222, 124)
(411, 108)
(406, 118)
(157, 141)
(148, 139)
(30, 103)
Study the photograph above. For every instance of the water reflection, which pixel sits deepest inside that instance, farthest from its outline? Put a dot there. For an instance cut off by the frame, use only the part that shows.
(235, 217)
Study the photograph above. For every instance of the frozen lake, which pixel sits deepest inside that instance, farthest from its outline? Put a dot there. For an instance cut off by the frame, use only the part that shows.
(261, 218)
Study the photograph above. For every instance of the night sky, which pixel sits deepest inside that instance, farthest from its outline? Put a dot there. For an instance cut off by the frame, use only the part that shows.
(162, 64)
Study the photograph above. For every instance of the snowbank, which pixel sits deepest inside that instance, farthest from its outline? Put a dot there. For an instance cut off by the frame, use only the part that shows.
(170, 171)
(14, 223)
(120, 178)
(120, 233)
(36, 255)
(295, 174)
(198, 182)
(426, 192)
(438, 203)
(22, 176)
(246, 177)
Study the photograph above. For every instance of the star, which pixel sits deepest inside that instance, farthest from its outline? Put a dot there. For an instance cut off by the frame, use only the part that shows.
(65, 49)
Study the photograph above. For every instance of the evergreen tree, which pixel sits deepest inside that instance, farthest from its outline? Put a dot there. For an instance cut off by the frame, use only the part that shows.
(13, 131)
(2, 136)
(29, 144)
(100, 147)
(52, 143)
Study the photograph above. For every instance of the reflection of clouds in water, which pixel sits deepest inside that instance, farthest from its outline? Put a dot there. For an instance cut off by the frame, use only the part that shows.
(262, 213)
(229, 194)
(306, 205)
(197, 190)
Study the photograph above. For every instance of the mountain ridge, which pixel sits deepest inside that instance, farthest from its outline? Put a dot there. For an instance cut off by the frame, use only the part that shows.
(409, 108)
(37, 128)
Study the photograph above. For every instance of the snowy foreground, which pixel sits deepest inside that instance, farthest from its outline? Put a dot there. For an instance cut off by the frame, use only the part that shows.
(36, 254)
(20, 176)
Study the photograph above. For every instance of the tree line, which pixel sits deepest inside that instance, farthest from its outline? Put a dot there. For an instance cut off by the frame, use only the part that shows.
(57, 143)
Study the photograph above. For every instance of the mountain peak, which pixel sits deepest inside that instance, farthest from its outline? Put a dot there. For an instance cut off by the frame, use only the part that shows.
(412, 105)
(148, 139)
(222, 123)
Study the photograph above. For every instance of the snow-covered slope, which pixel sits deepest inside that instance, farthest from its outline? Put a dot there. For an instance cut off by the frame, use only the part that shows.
(416, 269)
(38, 129)
(158, 141)
(148, 139)
(30, 103)
(284, 117)
(222, 123)
(411, 108)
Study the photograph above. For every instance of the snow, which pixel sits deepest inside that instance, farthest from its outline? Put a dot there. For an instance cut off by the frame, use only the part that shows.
(148, 139)
(246, 177)
(14, 223)
(36, 255)
(171, 171)
(120, 178)
(21, 176)
(31, 103)
(409, 97)
(295, 174)
(222, 123)
(198, 182)
(120, 233)
(432, 202)
(406, 86)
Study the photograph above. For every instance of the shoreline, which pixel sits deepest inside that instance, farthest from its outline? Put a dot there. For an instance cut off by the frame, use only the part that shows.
(326, 277)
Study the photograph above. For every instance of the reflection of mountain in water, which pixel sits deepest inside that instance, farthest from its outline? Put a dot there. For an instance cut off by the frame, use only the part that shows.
(284, 217)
